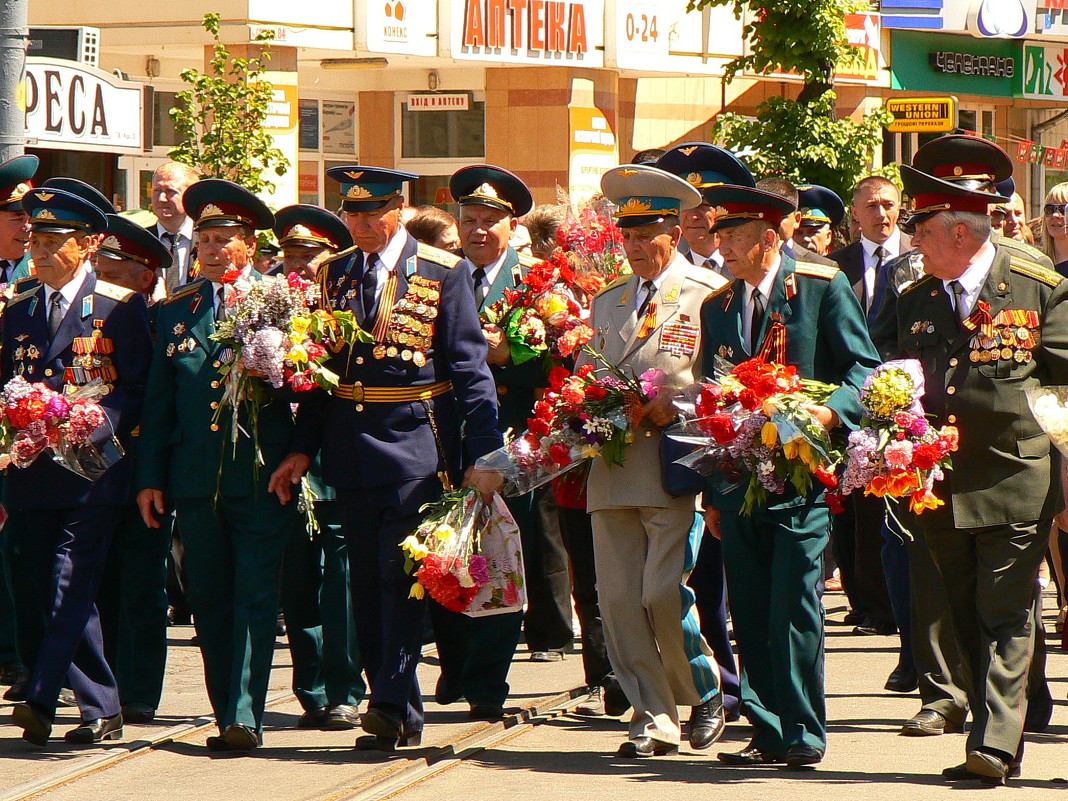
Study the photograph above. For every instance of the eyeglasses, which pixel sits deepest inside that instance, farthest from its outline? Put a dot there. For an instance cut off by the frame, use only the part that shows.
(1055, 208)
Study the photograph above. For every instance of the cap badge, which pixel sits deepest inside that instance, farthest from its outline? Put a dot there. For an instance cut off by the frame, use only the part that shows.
(694, 178)
(626, 172)
(211, 210)
(688, 151)
(354, 175)
(112, 242)
(298, 230)
(486, 190)
(634, 206)
(357, 192)
(44, 196)
(45, 214)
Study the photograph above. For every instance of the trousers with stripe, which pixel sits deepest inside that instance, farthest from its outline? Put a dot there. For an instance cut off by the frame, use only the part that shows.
(774, 564)
(643, 557)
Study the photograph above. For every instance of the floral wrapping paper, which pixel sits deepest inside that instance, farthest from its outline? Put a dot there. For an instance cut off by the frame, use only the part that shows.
(503, 550)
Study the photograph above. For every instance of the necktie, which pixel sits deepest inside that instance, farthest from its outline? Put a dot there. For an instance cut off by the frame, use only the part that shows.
(958, 300)
(368, 285)
(220, 304)
(173, 273)
(5, 271)
(650, 289)
(870, 300)
(882, 275)
(478, 276)
(758, 318)
(55, 314)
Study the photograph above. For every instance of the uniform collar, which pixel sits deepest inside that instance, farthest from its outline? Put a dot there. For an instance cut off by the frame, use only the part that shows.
(70, 290)
(389, 256)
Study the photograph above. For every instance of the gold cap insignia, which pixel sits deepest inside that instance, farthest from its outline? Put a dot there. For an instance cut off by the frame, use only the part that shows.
(694, 178)
(19, 192)
(45, 196)
(298, 230)
(354, 175)
(626, 173)
(358, 192)
(112, 242)
(211, 210)
(634, 206)
(45, 214)
(958, 170)
(688, 151)
(486, 190)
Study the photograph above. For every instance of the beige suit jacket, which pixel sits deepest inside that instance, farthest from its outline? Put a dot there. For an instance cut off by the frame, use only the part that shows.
(615, 320)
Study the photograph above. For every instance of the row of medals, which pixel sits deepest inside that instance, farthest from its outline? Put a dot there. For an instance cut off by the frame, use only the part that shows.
(1007, 343)
(411, 328)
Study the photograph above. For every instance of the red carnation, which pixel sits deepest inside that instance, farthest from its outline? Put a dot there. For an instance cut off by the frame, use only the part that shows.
(926, 455)
(560, 453)
(557, 376)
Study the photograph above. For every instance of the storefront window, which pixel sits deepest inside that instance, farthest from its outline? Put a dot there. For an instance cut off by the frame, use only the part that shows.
(163, 131)
(309, 124)
(338, 127)
(444, 134)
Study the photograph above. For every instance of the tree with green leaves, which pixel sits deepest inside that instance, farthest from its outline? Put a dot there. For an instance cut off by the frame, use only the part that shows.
(803, 139)
(220, 118)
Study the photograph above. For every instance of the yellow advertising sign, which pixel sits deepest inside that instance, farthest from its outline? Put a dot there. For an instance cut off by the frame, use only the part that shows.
(922, 114)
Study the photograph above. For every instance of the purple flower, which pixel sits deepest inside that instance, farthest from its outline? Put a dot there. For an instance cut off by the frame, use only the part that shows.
(478, 569)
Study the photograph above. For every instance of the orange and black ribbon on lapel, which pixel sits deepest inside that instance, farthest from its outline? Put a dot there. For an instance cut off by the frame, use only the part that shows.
(773, 348)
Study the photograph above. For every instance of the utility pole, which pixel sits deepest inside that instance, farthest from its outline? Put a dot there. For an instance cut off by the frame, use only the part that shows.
(14, 36)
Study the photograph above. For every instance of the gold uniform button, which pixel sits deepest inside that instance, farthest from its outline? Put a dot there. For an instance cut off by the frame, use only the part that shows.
(953, 362)
(359, 407)
(48, 371)
(952, 419)
(214, 427)
(359, 360)
(214, 384)
(951, 390)
(216, 364)
(648, 434)
(214, 405)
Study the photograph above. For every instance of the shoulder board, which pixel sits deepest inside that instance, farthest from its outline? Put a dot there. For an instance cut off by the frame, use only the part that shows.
(113, 291)
(1036, 271)
(709, 279)
(827, 271)
(340, 255)
(24, 283)
(915, 284)
(528, 260)
(720, 290)
(185, 290)
(438, 256)
(1023, 247)
(29, 293)
(617, 283)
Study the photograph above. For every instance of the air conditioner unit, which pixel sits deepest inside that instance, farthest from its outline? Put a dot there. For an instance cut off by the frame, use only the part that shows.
(72, 43)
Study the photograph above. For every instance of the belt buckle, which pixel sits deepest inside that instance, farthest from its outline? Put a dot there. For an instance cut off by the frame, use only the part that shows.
(357, 393)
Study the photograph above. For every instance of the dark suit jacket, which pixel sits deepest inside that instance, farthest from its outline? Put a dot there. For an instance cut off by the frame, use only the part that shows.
(851, 260)
(801, 253)
(1003, 471)
(28, 351)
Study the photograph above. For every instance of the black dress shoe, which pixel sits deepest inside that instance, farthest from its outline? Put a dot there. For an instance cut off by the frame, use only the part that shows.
(36, 727)
(615, 700)
(19, 689)
(645, 747)
(800, 755)
(875, 627)
(11, 672)
(388, 730)
(991, 768)
(960, 773)
(490, 712)
(240, 737)
(313, 718)
(902, 680)
(928, 723)
(95, 731)
(341, 717)
(138, 713)
(750, 755)
(854, 618)
(707, 722)
(445, 693)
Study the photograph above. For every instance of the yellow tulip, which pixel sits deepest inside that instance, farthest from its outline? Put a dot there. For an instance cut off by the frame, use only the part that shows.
(790, 449)
(417, 592)
(444, 532)
(297, 354)
(414, 548)
(300, 325)
(769, 435)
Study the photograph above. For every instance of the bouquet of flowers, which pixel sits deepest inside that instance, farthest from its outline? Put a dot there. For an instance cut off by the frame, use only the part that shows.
(466, 554)
(754, 419)
(582, 416)
(1049, 405)
(897, 453)
(594, 245)
(71, 424)
(541, 317)
(274, 329)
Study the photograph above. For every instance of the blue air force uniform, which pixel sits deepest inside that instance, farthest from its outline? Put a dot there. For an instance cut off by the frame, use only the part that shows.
(425, 372)
(104, 335)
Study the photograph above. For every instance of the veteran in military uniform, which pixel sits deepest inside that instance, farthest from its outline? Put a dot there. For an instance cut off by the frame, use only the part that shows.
(650, 320)
(415, 408)
(66, 331)
(133, 596)
(822, 211)
(15, 175)
(233, 530)
(986, 324)
(316, 601)
(476, 653)
(805, 315)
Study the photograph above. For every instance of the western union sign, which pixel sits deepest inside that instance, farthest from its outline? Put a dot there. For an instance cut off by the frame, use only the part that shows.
(922, 114)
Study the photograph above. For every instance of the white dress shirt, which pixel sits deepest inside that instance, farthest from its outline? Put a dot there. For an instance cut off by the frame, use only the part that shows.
(892, 248)
(388, 259)
(68, 293)
(183, 243)
(765, 286)
(973, 279)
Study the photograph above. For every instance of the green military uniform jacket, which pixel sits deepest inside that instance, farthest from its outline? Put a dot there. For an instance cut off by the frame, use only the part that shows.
(181, 451)
(1004, 471)
(826, 340)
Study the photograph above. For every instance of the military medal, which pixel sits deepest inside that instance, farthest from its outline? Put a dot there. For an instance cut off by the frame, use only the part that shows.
(419, 359)
(170, 349)
(379, 352)
(179, 329)
(406, 355)
(392, 351)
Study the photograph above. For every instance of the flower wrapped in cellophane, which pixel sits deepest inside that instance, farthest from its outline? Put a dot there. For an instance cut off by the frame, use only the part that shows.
(1049, 405)
(71, 425)
(897, 453)
(466, 555)
(594, 246)
(754, 419)
(582, 416)
(541, 317)
(274, 332)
